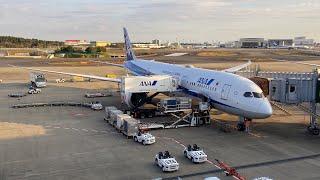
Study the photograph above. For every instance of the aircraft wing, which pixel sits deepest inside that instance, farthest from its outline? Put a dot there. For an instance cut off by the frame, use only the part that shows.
(237, 68)
(72, 74)
(108, 63)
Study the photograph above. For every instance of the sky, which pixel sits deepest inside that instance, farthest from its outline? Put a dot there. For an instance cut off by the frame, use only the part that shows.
(167, 20)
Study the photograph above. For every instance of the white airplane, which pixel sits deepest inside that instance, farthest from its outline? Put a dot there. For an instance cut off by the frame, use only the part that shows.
(224, 90)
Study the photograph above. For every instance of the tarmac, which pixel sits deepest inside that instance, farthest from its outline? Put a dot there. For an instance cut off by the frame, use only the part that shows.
(75, 143)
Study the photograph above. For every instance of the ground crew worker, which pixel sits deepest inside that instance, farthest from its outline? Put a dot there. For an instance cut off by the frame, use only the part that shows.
(247, 123)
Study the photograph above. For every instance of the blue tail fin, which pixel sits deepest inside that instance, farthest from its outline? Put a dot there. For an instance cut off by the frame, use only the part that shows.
(127, 44)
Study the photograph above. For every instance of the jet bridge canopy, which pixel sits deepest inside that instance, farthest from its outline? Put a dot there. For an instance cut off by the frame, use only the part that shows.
(292, 90)
(289, 87)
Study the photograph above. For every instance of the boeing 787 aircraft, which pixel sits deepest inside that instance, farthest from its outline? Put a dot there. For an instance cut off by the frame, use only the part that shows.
(224, 90)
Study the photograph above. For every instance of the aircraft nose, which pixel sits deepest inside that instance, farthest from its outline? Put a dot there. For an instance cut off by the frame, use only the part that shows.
(265, 109)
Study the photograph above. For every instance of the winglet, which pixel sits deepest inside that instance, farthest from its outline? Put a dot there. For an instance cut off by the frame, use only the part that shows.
(127, 44)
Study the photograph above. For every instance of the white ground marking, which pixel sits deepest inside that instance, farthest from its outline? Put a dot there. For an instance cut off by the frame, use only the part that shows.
(176, 54)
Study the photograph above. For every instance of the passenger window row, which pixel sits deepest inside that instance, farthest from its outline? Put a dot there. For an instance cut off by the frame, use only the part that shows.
(202, 85)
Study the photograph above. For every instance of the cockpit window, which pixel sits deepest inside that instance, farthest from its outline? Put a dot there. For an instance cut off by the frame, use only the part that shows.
(257, 95)
(247, 94)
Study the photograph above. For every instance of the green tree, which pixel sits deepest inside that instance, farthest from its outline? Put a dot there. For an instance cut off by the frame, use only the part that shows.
(16, 42)
(101, 49)
(90, 50)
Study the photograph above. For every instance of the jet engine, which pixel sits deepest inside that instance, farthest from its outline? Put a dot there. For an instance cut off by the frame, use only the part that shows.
(134, 100)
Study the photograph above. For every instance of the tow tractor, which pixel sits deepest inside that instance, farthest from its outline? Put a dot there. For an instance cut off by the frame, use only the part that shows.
(34, 90)
(61, 80)
(96, 106)
(144, 137)
(229, 170)
(166, 162)
(195, 154)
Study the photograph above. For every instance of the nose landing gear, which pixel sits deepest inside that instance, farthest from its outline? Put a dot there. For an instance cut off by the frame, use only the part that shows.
(244, 124)
(241, 126)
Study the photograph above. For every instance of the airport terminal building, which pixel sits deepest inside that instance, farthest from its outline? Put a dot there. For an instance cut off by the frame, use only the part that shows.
(273, 43)
(280, 42)
(251, 43)
(303, 41)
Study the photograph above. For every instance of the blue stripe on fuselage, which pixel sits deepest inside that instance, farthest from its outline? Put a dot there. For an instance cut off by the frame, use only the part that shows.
(211, 101)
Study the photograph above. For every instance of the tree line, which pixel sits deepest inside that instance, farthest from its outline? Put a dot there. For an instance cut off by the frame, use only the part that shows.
(88, 50)
(17, 42)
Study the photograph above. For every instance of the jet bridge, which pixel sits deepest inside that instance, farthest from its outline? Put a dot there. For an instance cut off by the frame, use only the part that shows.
(292, 88)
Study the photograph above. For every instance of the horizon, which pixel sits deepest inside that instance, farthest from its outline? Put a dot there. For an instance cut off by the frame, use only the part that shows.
(166, 20)
(137, 42)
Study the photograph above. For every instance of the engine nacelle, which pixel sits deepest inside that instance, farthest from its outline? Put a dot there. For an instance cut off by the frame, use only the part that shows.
(134, 100)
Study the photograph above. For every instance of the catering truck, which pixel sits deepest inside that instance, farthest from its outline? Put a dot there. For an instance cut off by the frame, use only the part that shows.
(38, 80)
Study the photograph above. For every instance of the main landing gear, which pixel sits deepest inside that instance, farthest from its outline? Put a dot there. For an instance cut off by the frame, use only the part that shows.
(241, 126)
(314, 129)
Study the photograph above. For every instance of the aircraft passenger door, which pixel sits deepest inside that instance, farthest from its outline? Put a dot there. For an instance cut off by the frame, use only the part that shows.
(292, 95)
(225, 91)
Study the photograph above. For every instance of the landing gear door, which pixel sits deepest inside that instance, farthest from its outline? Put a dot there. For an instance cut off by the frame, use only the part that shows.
(225, 91)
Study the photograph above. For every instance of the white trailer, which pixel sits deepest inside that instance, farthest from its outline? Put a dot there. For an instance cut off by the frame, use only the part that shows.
(113, 116)
(130, 127)
(156, 83)
(38, 79)
(107, 112)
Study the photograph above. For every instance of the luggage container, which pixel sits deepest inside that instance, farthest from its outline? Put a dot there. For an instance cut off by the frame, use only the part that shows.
(184, 102)
(130, 126)
(120, 119)
(113, 116)
(107, 112)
